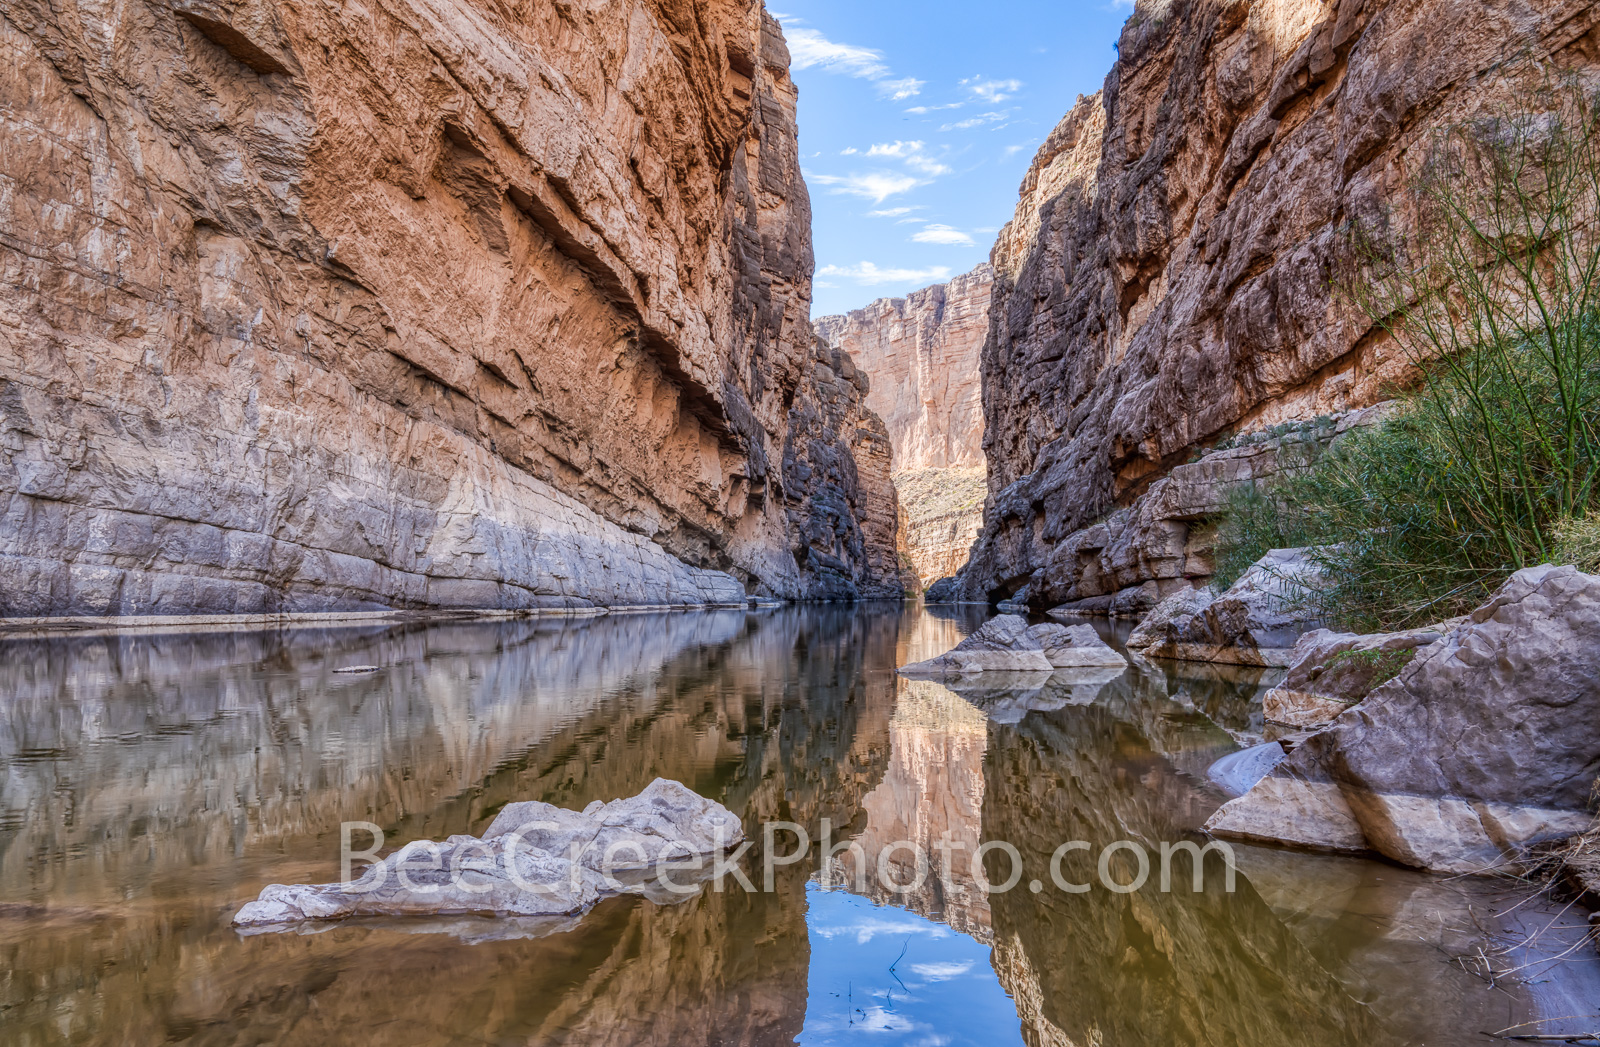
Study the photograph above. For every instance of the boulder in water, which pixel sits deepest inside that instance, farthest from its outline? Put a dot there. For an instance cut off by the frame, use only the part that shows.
(1485, 745)
(535, 860)
(1008, 644)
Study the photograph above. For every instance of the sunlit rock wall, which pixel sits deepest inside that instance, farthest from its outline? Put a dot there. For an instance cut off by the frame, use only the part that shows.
(340, 306)
(1165, 279)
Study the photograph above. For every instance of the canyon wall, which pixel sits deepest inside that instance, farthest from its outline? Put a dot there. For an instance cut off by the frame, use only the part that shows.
(921, 354)
(1165, 282)
(321, 307)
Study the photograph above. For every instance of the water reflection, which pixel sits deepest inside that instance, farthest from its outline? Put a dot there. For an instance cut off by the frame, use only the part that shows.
(150, 785)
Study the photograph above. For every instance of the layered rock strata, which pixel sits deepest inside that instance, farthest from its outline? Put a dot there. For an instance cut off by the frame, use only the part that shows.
(337, 307)
(1165, 281)
(922, 353)
(941, 514)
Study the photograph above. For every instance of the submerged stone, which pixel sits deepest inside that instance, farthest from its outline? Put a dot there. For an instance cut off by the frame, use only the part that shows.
(535, 860)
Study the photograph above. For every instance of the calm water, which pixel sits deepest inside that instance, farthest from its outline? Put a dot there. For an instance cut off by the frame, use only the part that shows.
(151, 785)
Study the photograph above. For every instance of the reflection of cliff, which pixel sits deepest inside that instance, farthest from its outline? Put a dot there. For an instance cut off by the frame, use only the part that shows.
(1205, 969)
(781, 716)
(931, 794)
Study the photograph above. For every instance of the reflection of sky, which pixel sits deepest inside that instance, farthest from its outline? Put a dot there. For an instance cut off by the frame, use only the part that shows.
(942, 991)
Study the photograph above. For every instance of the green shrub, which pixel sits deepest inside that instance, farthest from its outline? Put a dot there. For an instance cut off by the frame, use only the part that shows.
(1491, 463)
(1578, 542)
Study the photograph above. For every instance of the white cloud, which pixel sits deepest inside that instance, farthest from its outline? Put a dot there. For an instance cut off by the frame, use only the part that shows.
(900, 90)
(943, 234)
(876, 186)
(913, 155)
(992, 91)
(942, 972)
(808, 48)
(868, 275)
(892, 212)
(1013, 150)
(895, 149)
(975, 121)
(852, 151)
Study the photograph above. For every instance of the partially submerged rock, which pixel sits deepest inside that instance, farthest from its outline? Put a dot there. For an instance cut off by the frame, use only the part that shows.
(1008, 644)
(1256, 622)
(1486, 744)
(534, 860)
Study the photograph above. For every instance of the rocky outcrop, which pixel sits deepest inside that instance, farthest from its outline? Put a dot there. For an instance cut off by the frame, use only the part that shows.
(1257, 621)
(535, 859)
(1008, 644)
(336, 307)
(1485, 744)
(921, 353)
(1164, 282)
(1332, 671)
(843, 513)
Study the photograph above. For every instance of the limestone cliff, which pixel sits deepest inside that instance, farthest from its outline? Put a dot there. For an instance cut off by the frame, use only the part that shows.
(1165, 282)
(420, 305)
(921, 354)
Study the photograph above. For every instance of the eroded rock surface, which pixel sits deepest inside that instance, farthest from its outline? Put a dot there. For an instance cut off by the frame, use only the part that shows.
(1332, 671)
(921, 353)
(1257, 621)
(1164, 282)
(329, 307)
(535, 859)
(1486, 743)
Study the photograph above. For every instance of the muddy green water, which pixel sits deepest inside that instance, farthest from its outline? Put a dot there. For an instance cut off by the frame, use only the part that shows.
(149, 785)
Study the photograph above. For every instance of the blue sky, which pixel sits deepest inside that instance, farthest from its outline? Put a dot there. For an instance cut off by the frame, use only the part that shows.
(918, 121)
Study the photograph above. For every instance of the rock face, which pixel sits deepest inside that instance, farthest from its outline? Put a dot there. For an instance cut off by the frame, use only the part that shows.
(1486, 743)
(1333, 671)
(332, 307)
(941, 514)
(1008, 644)
(535, 859)
(1257, 621)
(1164, 280)
(921, 353)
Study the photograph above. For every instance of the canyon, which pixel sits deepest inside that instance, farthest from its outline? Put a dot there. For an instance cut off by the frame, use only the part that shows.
(315, 308)
(1163, 288)
(921, 354)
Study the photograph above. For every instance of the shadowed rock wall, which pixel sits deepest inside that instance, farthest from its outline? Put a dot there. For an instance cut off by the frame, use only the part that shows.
(329, 307)
(1165, 280)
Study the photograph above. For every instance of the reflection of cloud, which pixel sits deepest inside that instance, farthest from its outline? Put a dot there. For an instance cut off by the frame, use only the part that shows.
(871, 927)
(943, 234)
(942, 972)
